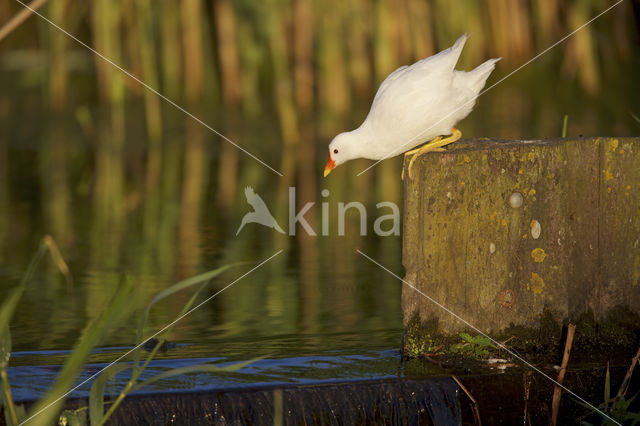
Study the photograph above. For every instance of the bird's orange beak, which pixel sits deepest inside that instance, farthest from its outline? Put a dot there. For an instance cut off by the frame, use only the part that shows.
(330, 165)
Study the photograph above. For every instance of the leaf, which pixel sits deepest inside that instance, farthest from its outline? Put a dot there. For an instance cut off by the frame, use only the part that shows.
(96, 395)
(466, 337)
(21, 412)
(10, 413)
(11, 301)
(44, 411)
(181, 285)
(58, 259)
(72, 418)
(5, 347)
(199, 368)
(7, 309)
(137, 369)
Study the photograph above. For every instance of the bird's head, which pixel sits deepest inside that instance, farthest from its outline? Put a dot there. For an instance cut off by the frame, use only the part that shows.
(341, 150)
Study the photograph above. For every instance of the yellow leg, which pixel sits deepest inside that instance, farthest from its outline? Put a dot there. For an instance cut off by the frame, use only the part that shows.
(433, 141)
(434, 145)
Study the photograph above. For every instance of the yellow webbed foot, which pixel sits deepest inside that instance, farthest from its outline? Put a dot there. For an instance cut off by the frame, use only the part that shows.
(436, 145)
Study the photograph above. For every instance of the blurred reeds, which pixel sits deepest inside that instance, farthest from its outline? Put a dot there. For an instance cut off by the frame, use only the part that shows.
(280, 78)
(301, 56)
(238, 60)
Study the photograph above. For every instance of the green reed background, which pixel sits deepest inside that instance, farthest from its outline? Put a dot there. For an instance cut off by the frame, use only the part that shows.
(123, 181)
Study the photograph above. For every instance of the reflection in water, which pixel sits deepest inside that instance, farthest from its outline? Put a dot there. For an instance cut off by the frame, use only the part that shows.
(305, 368)
(150, 194)
(180, 226)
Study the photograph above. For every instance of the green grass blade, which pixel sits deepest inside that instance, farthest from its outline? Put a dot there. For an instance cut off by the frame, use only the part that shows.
(158, 345)
(635, 117)
(174, 289)
(10, 303)
(565, 122)
(96, 396)
(200, 368)
(7, 309)
(5, 347)
(45, 410)
(10, 413)
(72, 418)
(21, 412)
(137, 369)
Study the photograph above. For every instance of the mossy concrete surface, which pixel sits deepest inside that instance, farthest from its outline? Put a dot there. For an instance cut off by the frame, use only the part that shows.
(495, 231)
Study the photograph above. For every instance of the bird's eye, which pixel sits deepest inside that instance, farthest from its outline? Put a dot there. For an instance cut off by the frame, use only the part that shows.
(335, 151)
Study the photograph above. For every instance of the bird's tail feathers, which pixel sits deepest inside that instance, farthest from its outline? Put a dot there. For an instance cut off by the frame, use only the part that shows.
(456, 49)
(459, 44)
(478, 76)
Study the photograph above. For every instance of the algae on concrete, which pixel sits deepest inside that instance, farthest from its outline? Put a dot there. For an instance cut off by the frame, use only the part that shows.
(499, 231)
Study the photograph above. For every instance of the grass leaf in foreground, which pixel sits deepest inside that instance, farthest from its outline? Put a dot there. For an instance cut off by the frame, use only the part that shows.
(137, 369)
(96, 395)
(45, 410)
(181, 285)
(14, 414)
(199, 368)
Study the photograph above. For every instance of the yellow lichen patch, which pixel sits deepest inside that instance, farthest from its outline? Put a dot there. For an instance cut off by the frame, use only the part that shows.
(536, 283)
(621, 151)
(613, 145)
(524, 236)
(504, 222)
(532, 192)
(538, 255)
(531, 156)
(467, 159)
(608, 190)
(551, 175)
(608, 175)
(520, 171)
(628, 187)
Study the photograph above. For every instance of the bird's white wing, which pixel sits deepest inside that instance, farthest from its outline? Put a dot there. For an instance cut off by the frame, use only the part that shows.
(418, 78)
(387, 81)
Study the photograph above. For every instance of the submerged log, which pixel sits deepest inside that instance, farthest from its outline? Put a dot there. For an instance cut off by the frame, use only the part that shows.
(497, 231)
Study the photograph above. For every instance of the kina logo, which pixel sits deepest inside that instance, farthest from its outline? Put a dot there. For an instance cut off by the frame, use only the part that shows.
(260, 213)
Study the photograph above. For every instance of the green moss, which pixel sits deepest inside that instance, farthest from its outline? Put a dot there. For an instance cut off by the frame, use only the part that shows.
(421, 337)
(618, 333)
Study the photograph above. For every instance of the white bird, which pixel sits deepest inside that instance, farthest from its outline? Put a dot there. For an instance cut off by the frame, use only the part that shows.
(260, 213)
(414, 104)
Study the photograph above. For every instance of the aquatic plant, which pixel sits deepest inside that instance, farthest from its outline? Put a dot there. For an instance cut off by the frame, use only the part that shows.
(47, 409)
(616, 407)
(478, 346)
